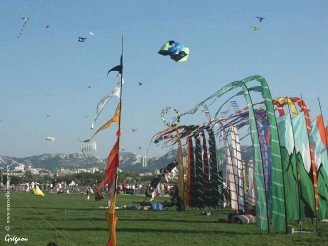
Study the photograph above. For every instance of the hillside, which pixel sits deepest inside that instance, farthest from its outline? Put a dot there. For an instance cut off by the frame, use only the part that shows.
(130, 162)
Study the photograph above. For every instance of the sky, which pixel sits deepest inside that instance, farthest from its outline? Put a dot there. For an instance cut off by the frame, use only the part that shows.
(47, 71)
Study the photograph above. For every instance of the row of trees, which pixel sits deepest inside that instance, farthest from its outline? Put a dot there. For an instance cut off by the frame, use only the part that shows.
(85, 179)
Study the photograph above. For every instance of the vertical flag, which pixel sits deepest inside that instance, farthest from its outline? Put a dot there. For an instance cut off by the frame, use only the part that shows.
(199, 172)
(318, 139)
(237, 163)
(230, 174)
(290, 168)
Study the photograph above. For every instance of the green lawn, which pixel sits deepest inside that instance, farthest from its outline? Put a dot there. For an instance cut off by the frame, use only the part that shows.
(72, 220)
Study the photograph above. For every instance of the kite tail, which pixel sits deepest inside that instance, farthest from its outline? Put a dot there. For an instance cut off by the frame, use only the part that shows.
(21, 31)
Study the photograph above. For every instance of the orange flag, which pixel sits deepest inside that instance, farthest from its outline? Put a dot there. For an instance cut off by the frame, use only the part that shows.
(112, 163)
(112, 220)
(115, 118)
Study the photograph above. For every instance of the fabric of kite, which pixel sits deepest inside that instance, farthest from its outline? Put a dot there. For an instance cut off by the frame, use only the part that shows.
(103, 102)
(36, 191)
(177, 51)
(319, 140)
(112, 164)
(115, 118)
(112, 221)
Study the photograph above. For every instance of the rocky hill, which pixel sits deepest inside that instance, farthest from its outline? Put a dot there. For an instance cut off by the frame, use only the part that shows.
(130, 162)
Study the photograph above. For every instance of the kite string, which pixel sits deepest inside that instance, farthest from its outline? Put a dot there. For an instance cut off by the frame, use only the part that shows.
(21, 31)
(60, 233)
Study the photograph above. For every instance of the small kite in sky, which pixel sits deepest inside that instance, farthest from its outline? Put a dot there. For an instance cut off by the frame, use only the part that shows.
(139, 148)
(47, 116)
(134, 129)
(140, 83)
(255, 28)
(260, 18)
(177, 51)
(82, 39)
(89, 87)
(47, 26)
(26, 19)
(92, 33)
(50, 139)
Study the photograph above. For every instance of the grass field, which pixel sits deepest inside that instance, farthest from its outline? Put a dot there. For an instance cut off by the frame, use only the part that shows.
(72, 220)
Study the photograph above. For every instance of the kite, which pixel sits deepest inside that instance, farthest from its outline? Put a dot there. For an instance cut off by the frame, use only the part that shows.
(92, 33)
(260, 18)
(47, 116)
(175, 120)
(255, 28)
(50, 139)
(177, 51)
(134, 129)
(26, 19)
(82, 39)
(140, 83)
(36, 191)
(89, 87)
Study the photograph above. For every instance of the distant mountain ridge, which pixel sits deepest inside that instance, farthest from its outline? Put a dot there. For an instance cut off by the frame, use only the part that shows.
(130, 162)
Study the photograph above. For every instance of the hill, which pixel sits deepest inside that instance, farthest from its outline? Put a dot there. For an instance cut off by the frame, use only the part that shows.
(130, 162)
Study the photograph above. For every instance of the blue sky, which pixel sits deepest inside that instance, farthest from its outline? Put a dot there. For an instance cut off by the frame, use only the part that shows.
(47, 70)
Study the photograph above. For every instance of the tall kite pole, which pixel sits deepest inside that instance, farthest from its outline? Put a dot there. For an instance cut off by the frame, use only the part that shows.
(114, 161)
(119, 121)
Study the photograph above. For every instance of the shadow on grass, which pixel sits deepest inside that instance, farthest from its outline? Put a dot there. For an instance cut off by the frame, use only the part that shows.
(169, 220)
(155, 230)
(87, 219)
(181, 231)
(58, 209)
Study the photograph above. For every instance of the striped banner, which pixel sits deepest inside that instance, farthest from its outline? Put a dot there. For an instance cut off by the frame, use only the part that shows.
(188, 164)
(216, 188)
(238, 169)
(206, 181)
(199, 172)
(231, 182)
(192, 168)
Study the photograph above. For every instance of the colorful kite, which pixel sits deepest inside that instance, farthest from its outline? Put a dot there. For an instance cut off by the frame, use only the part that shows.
(177, 51)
